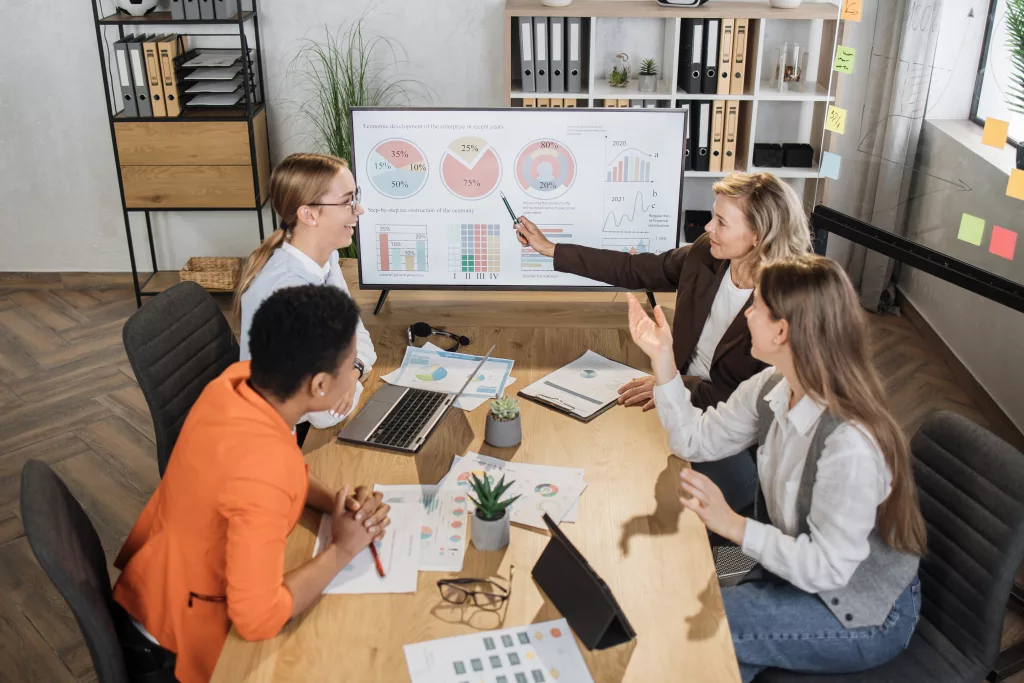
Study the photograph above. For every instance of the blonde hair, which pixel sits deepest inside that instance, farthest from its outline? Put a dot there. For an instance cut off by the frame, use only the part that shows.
(775, 213)
(298, 180)
(831, 355)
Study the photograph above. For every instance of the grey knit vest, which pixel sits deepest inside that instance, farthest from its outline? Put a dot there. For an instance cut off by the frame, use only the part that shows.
(868, 597)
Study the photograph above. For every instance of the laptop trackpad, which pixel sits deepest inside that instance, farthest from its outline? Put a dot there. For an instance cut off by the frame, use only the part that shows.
(369, 417)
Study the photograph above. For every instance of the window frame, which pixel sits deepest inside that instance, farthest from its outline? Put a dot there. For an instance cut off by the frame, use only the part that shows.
(980, 78)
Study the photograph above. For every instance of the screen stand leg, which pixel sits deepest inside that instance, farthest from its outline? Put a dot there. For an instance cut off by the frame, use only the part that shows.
(650, 299)
(381, 300)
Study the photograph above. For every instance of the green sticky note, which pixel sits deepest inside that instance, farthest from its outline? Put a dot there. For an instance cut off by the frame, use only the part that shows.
(972, 229)
(844, 59)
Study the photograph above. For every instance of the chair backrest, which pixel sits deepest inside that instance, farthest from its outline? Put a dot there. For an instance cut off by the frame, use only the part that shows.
(177, 342)
(971, 485)
(69, 551)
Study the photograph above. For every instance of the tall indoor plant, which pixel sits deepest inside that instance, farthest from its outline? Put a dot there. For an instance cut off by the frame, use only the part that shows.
(1015, 44)
(348, 68)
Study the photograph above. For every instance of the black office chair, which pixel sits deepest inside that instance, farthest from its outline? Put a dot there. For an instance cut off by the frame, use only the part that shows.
(69, 551)
(971, 485)
(177, 342)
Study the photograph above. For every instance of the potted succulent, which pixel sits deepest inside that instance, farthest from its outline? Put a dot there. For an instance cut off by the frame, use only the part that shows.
(648, 75)
(490, 528)
(1015, 42)
(619, 77)
(504, 427)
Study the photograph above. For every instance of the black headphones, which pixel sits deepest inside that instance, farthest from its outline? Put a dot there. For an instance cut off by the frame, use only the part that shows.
(424, 330)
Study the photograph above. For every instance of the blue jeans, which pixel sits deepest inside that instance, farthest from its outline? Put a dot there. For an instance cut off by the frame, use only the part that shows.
(777, 625)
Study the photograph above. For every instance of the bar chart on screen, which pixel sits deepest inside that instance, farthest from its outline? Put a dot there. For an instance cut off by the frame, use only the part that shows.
(531, 261)
(627, 164)
(402, 248)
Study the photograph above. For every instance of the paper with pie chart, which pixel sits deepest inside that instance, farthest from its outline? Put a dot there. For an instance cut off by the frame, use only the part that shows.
(535, 653)
(399, 555)
(444, 371)
(543, 489)
(444, 526)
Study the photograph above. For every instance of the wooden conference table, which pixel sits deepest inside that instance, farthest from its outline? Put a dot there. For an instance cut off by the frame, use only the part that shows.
(631, 528)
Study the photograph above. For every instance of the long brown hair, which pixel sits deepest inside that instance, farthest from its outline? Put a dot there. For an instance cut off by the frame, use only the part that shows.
(775, 213)
(298, 180)
(829, 339)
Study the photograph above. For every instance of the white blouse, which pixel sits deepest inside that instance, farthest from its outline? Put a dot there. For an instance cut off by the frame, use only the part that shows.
(852, 478)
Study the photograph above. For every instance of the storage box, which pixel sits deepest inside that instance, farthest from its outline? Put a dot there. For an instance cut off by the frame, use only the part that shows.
(767, 154)
(213, 272)
(797, 155)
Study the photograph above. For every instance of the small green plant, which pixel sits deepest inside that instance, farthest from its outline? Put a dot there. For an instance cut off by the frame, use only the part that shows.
(505, 408)
(619, 77)
(1015, 41)
(648, 67)
(489, 504)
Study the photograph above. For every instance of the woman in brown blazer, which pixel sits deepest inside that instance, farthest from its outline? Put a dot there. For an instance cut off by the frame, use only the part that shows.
(757, 218)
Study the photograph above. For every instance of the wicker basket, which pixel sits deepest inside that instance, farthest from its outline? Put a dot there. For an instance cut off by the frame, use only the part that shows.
(213, 272)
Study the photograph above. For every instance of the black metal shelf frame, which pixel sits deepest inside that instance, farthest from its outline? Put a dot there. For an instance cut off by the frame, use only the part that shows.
(252, 109)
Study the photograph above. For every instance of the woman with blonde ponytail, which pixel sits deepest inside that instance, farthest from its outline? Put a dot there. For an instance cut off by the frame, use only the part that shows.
(837, 530)
(317, 200)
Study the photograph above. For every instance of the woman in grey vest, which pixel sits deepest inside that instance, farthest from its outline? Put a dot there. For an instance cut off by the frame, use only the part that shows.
(837, 528)
(318, 202)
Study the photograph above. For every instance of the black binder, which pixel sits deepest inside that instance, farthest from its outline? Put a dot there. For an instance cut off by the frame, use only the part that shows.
(582, 597)
(691, 55)
(688, 146)
(700, 134)
(712, 27)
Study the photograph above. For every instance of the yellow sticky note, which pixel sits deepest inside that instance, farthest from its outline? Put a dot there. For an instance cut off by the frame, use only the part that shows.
(995, 133)
(851, 10)
(835, 120)
(1015, 188)
(844, 59)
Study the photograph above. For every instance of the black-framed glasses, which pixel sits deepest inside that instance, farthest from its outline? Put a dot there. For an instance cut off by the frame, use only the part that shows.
(356, 196)
(484, 593)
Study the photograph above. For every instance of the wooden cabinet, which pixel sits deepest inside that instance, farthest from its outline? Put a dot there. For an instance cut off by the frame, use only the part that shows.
(192, 164)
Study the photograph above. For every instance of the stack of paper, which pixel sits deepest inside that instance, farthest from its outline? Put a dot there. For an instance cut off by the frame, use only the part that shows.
(399, 555)
(443, 527)
(544, 488)
(540, 652)
(429, 367)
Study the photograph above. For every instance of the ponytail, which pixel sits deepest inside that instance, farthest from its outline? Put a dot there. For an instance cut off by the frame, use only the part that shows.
(298, 180)
(254, 264)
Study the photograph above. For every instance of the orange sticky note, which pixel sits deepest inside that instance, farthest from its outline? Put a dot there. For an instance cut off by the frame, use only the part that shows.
(1015, 188)
(835, 119)
(995, 133)
(851, 10)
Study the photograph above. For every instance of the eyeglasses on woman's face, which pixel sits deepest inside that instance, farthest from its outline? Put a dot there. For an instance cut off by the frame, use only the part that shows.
(352, 204)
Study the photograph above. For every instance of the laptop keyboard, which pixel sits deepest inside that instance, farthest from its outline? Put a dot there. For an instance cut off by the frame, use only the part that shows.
(407, 418)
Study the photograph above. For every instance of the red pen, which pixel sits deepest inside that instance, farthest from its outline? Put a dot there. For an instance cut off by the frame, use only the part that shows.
(376, 559)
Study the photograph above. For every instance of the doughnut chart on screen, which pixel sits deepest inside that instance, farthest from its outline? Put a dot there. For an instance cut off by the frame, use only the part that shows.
(432, 179)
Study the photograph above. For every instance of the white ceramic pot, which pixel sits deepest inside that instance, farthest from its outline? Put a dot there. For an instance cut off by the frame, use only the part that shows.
(490, 534)
(136, 8)
(784, 4)
(556, 3)
(503, 433)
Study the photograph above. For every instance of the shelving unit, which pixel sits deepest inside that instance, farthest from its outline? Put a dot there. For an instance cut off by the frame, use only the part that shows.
(202, 160)
(766, 115)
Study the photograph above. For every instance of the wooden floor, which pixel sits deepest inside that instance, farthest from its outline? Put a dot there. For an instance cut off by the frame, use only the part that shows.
(69, 397)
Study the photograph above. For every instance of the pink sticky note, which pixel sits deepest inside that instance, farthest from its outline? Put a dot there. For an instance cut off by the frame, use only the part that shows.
(1003, 243)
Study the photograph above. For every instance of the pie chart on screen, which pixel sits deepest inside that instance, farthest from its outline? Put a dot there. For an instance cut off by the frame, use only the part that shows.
(470, 169)
(545, 169)
(397, 168)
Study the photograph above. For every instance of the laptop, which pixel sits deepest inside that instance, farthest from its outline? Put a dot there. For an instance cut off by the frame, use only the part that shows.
(400, 418)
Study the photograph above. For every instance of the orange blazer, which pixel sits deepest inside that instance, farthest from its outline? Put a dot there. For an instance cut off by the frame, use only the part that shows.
(208, 550)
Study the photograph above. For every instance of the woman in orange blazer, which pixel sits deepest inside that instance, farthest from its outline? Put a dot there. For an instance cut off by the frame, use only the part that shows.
(208, 550)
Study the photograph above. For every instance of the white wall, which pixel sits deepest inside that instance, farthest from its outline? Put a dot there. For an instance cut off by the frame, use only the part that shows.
(58, 184)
